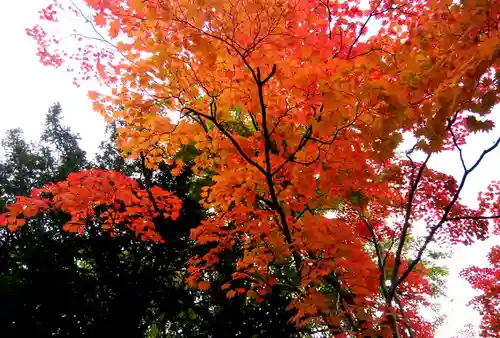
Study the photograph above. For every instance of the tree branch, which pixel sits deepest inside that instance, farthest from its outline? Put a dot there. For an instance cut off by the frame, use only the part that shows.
(372, 14)
(406, 226)
(268, 171)
(229, 136)
(447, 210)
(459, 218)
(455, 142)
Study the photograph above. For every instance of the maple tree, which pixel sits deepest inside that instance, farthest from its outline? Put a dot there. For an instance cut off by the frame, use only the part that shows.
(297, 112)
(120, 197)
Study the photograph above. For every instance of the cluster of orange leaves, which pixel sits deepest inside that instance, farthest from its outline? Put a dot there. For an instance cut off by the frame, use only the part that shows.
(111, 199)
(296, 111)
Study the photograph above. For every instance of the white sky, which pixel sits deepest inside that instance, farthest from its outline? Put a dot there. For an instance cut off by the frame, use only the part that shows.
(28, 89)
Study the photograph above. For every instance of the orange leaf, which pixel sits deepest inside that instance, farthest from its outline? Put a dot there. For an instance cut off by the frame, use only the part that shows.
(100, 19)
(204, 285)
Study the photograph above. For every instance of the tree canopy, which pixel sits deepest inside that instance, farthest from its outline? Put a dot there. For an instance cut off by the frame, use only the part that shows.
(105, 283)
(296, 113)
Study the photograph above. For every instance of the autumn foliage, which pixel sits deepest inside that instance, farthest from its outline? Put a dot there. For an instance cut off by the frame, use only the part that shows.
(486, 281)
(298, 109)
(110, 198)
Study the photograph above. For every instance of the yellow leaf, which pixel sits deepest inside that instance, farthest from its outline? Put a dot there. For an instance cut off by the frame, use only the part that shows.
(420, 57)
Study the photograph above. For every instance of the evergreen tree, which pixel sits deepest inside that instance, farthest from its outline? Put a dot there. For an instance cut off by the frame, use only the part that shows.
(109, 157)
(61, 141)
(23, 167)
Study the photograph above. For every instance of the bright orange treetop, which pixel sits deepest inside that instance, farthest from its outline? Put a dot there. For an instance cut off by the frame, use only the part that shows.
(296, 113)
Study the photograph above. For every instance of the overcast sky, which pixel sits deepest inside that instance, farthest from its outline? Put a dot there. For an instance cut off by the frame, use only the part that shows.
(27, 89)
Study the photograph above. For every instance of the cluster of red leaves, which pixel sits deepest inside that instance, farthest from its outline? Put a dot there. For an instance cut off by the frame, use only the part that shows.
(40, 36)
(436, 192)
(83, 58)
(489, 203)
(467, 331)
(487, 282)
(112, 199)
